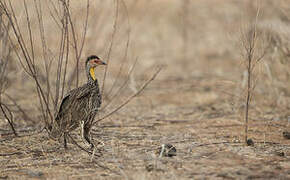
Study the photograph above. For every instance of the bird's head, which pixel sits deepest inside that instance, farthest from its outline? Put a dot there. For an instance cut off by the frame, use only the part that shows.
(92, 62)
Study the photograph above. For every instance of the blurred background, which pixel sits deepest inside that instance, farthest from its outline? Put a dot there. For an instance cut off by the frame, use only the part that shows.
(197, 99)
(194, 41)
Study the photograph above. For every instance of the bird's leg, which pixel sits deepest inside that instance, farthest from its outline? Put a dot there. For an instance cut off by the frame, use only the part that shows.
(82, 129)
(64, 141)
(85, 133)
(87, 129)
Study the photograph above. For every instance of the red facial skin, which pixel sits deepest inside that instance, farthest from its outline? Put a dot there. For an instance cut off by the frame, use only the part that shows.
(96, 62)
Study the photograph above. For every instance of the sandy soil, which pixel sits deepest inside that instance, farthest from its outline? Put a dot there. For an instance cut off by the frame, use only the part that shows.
(195, 104)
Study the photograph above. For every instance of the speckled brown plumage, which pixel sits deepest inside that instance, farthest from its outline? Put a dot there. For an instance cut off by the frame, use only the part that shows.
(80, 106)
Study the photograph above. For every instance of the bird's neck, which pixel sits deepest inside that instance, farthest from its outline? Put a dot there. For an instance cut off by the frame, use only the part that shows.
(91, 74)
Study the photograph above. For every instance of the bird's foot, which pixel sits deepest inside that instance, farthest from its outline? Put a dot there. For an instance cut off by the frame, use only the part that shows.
(92, 146)
(96, 149)
(89, 145)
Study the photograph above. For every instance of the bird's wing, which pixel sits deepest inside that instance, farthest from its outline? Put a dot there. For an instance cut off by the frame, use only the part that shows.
(63, 104)
(83, 92)
(73, 95)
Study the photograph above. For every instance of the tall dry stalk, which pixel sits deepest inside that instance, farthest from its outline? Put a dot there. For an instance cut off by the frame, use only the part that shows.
(252, 55)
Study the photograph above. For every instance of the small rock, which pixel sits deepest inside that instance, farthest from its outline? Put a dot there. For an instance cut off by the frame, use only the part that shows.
(149, 167)
(166, 150)
(250, 142)
(280, 153)
(286, 135)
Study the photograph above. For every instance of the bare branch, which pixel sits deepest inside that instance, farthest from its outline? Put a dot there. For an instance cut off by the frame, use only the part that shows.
(10, 120)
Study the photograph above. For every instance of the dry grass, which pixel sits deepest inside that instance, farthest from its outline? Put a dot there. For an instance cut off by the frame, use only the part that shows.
(195, 104)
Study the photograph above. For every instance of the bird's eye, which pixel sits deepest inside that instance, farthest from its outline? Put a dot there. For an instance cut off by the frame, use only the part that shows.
(92, 63)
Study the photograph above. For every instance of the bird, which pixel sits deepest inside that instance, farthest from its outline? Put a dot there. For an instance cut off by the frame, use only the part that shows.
(80, 106)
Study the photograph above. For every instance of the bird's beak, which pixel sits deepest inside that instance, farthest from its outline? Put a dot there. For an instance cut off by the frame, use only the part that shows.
(102, 63)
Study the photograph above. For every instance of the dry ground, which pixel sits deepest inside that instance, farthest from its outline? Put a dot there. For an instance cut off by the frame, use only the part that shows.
(195, 104)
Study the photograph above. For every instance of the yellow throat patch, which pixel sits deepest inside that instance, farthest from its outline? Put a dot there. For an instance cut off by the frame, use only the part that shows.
(92, 73)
